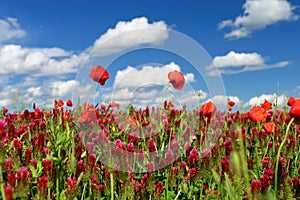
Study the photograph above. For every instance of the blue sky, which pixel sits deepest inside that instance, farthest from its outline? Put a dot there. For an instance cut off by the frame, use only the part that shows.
(47, 49)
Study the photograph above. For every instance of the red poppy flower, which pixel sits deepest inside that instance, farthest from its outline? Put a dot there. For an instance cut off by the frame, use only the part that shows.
(269, 127)
(291, 101)
(176, 78)
(114, 105)
(258, 114)
(103, 106)
(59, 103)
(99, 74)
(208, 109)
(266, 105)
(231, 103)
(295, 111)
(87, 116)
(69, 103)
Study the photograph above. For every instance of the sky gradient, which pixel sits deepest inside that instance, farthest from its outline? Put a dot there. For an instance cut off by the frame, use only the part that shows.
(249, 48)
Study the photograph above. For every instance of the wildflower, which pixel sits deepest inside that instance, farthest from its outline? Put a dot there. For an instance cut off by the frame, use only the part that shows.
(33, 163)
(99, 74)
(47, 166)
(193, 156)
(151, 145)
(79, 167)
(191, 173)
(255, 186)
(150, 166)
(42, 184)
(225, 165)
(169, 156)
(94, 183)
(176, 78)
(114, 105)
(71, 186)
(269, 127)
(22, 174)
(130, 147)
(27, 155)
(92, 160)
(258, 114)
(60, 103)
(137, 187)
(87, 116)
(90, 147)
(69, 103)
(4, 111)
(291, 101)
(231, 103)
(208, 109)
(159, 187)
(266, 105)
(295, 110)
(183, 166)
(8, 191)
(8, 164)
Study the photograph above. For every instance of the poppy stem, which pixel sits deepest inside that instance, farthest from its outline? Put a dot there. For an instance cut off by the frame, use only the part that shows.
(90, 92)
(164, 94)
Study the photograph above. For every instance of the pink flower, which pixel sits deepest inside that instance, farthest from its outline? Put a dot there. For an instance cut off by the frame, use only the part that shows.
(79, 167)
(193, 156)
(71, 186)
(151, 145)
(8, 191)
(42, 184)
(225, 165)
(158, 188)
(8, 164)
(255, 186)
(92, 160)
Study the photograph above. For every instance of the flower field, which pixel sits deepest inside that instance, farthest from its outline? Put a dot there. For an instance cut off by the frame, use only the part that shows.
(103, 152)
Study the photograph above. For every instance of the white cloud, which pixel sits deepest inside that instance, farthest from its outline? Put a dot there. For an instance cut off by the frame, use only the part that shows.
(147, 76)
(258, 100)
(62, 88)
(10, 29)
(153, 97)
(34, 91)
(221, 101)
(235, 62)
(126, 35)
(15, 59)
(258, 15)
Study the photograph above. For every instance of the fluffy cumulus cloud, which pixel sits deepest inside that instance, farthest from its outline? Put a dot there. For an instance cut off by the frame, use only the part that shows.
(234, 62)
(63, 88)
(43, 67)
(258, 100)
(126, 35)
(10, 29)
(147, 76)
(258, 15)
(16, 59)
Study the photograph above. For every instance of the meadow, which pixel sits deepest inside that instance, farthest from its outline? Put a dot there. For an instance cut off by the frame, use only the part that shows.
(103, 152)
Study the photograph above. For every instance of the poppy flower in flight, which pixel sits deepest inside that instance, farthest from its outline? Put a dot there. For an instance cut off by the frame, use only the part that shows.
(176, 78)
(99, 74)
